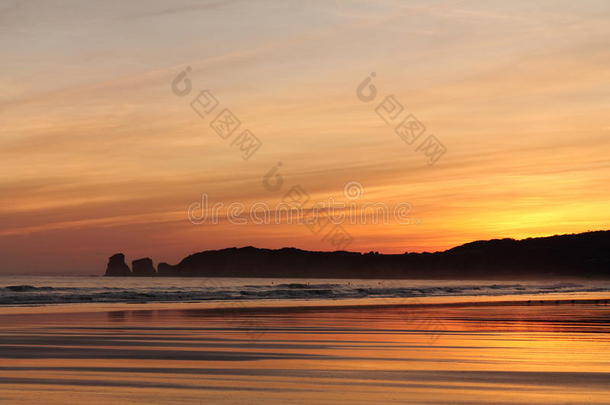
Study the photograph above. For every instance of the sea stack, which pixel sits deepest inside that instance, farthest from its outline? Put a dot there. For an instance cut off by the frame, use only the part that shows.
(143, 267)
(117, 266)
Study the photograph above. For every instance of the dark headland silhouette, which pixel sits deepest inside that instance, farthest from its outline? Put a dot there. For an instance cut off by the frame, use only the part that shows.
(575, 255)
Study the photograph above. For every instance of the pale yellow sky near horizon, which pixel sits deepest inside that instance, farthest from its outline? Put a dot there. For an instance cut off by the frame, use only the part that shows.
(100, 156)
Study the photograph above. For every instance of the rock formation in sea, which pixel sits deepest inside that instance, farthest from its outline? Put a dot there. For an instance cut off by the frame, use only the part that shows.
(143, 267)
(117, 266)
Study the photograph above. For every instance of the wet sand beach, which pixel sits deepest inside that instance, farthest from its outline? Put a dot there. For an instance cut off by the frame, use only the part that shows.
(556, 353)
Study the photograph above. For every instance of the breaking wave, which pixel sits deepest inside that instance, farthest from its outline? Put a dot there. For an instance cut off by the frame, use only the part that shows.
(60, 290)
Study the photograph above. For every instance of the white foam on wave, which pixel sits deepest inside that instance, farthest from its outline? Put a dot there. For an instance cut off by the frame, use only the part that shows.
(97, 290)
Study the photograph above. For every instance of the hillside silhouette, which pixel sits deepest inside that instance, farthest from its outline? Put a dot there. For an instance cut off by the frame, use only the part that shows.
(575, 255)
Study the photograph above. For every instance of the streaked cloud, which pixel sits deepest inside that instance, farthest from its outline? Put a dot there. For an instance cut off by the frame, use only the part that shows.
(98, 155)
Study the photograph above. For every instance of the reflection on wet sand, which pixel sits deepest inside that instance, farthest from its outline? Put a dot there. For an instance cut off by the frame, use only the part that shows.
(546, 354)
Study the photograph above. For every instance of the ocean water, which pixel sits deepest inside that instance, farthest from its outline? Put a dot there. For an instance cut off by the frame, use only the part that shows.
(37, 290)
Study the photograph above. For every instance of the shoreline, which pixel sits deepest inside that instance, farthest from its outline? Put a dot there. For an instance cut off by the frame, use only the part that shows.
(245, 306)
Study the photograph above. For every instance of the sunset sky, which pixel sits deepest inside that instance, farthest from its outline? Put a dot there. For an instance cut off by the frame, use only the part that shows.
(99, 156)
